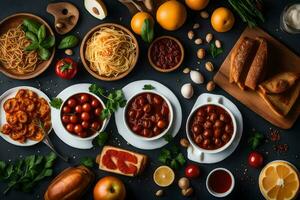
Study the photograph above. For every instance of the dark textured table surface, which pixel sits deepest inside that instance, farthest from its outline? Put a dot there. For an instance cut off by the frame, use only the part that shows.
(143, 187)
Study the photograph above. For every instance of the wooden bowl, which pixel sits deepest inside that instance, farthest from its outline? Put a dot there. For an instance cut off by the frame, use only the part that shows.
(173, 68)
(12, 22)
(86, 62)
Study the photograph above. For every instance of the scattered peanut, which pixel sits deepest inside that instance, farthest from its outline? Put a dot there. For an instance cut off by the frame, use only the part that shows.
(59, 25)
(204, 14)
(69, 52)
(209, 37)
(95, 11)
(210, 86)
(201, 53)
(191, 35)
(184, 143)
(188, 192)
(184, 183)
(159, 193)
(198, 41)
(218, 44)
(209, 66)
(186, 70)
(196, 26)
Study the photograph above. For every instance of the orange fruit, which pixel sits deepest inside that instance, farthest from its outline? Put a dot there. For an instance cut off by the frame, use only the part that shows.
(171, 15)
(196, 4)
(163, 176)
(222, 19)
(138, 20)
(279, 180)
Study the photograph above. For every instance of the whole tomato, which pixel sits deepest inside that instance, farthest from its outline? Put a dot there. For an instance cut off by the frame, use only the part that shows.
(192, 171)
(66, 68)
(255, 159)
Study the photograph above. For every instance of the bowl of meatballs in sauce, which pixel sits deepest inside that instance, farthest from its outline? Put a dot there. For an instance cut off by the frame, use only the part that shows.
(211, 128)
(148, 115)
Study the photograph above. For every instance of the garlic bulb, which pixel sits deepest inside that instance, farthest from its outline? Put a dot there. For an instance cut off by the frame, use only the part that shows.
(196, 77)
(187, 91)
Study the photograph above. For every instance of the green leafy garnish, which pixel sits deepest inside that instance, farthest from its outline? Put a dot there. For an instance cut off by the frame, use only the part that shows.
(68, 42)
(115, 99)
(48, 42)
(24, 174)
(42, 33)
(101, 139)
(172, 157)
(148, 87)
(31, 36)
(56, 102)
(214, 51)
(30, 25)
(87, 161)
(147, 31)
(255, 140)
(168, 137)
(43, 53)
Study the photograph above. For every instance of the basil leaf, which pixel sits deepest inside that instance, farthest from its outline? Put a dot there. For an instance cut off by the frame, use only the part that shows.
(87, 161)
(168, 137)
(33, 46)
(31, 25)
(42, 33)
(48, 42)
(68, 42)
(44, 54)
(101, 139)
(56, 102)
(148, 87)
(31, 36)
(147, 31)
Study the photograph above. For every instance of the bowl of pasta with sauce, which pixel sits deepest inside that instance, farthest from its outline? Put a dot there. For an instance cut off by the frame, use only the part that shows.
(109, 52)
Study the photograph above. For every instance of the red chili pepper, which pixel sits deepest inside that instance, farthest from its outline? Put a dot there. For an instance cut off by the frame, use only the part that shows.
(66, 68)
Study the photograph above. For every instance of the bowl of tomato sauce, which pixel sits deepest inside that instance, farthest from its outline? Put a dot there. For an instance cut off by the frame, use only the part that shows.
(165, 54)
(80, 116)
(211, 128)
(148, 115)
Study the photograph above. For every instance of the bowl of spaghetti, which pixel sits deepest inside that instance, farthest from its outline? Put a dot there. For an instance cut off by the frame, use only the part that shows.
(15, 61)
(109, 52)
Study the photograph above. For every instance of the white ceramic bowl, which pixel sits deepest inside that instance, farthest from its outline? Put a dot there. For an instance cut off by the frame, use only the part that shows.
(104, 123)
(171, 116)
(220, 194)
(188, 132)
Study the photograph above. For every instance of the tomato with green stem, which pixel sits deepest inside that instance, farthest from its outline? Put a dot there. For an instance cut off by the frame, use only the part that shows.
(66, 68)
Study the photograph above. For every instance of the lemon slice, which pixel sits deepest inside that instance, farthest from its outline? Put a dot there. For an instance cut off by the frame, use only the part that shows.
(279, 180)
(163, 176)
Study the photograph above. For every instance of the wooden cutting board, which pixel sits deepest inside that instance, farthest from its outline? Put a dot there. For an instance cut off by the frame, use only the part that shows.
(281, 59)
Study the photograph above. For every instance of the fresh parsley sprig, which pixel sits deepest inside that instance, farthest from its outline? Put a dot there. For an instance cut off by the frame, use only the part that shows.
(148, 87)
(115, 99)
(56, 102)
(255, 140)
(172, 157)
(87, 161)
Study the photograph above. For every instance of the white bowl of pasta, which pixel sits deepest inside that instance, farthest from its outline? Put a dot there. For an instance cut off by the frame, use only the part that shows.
(109, 52)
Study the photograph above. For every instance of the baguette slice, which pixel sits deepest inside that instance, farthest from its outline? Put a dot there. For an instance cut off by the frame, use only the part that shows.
(258, 68)
(120, 161)
(240, 61)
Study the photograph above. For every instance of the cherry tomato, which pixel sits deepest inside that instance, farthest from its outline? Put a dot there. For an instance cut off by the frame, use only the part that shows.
(66, 109)
(70, 127)
(161, 124)
(78, 109)
(65, 119)
(82, 134)
(98, 111)
(84, 98)
(95, 126)
(73, 119)
(95, 103)
(77, 128)
(85, 116)
(86, 107)
(66, 68)
(71, 103)
(85, 124)
(192, 171)
(255, 159)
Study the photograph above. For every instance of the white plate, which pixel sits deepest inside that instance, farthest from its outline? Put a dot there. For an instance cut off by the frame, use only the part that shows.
(58, 127)
(137, 86)
(10, 94)
(201, 157)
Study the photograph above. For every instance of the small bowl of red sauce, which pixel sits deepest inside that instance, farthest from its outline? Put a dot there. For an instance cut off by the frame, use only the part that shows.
(80, 116)
(148, 115)
(220, 182)
(211, 128)
(166, 54)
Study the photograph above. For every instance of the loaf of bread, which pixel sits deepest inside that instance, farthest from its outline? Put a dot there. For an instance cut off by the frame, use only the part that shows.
(121, 161)
(258, 68)
(70, 184)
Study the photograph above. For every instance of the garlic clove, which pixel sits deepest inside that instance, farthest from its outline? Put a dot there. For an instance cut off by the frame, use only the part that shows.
(196, 77)
(187, 91)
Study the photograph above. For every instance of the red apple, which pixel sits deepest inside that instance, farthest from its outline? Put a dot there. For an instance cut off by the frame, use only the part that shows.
(109, 188)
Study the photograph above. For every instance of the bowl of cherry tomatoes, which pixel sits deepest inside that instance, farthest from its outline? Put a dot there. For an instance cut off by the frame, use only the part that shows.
(148, 115)
(80, 116)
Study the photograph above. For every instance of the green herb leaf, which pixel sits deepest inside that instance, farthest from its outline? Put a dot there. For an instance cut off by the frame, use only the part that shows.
(164, 156)
(147, 31)
(56, 102)
(168, 137)
(41, 33)
(31, 26)
(174, 164)
(44, 54)
(255, 140)
(33, 46)
(101, 139)
(214, 51)
(68, 42)
(31, 36)
(87, 161)
(48, 42)
(172, 157)
(180, 158)
(148, 87)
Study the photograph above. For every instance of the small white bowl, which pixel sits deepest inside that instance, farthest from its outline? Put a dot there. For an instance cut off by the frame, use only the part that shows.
(207, 150)
(171, 116)
(220, 194)
(104, 122)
